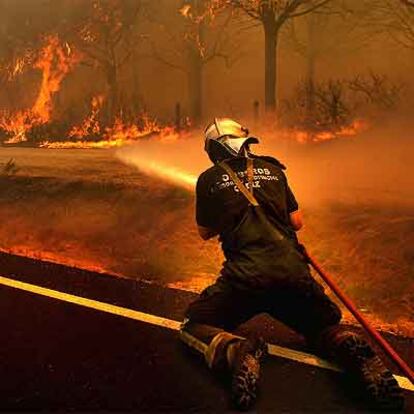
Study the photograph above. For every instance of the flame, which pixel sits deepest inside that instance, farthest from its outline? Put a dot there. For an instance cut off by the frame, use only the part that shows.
(198, 16)
(117, 135)
(351, 130)
(185, 10)
(83, 144)
(17, 68)
(16, 125)
(18, 65)
(55, 61)
(90, 125)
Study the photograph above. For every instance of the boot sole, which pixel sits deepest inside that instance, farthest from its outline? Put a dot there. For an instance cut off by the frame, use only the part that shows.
(245, 381)
(244, 384)
(383, 389)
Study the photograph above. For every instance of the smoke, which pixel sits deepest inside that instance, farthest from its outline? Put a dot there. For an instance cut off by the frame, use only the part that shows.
(373, 167)
(356, 194)
(86, 208)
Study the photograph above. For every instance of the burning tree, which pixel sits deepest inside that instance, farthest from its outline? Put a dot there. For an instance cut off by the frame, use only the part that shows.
(55, 60)
(24, 30)
(107, 35)
(273, 15)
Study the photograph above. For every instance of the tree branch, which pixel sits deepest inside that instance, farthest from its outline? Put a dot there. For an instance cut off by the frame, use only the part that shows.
(164, 61)
(311, 9)
(249, 10)
(409, 3)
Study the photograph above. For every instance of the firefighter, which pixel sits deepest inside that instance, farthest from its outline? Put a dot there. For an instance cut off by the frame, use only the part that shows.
(246, 200)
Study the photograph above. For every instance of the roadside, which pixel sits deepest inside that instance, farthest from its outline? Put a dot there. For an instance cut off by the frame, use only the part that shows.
(62, 356)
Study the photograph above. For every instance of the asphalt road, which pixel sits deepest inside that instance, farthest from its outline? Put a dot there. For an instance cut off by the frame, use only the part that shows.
(61, 356)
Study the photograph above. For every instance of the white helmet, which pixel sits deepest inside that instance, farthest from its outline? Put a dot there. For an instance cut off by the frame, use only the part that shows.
(225, 138)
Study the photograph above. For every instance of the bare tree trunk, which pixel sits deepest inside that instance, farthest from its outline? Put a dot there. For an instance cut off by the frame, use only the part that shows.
(310, 76)
(195, 72)
(113, 94)
(195, 84)
(310, 99)
(270, 33)
(135, 96)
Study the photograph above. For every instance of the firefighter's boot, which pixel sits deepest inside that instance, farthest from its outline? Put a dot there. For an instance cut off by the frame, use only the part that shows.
(365, 366)
(244, 358)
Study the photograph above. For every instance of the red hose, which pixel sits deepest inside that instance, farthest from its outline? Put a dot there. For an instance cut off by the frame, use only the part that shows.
(388, 349)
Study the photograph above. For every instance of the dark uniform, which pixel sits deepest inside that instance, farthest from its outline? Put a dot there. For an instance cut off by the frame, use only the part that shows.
(260, 273)
(265, 271)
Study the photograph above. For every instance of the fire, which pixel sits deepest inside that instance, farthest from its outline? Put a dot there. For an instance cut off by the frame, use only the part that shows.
(55, 61)
(353, 129)
(185, 10)
(83, 144)
(120, 133)
(117, 135)
(16, 125)
(90, 125)
(197, 16)
(18, 65)
(206, 13)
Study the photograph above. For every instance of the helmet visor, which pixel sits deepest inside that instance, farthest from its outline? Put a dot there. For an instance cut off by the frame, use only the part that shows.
(234, 145)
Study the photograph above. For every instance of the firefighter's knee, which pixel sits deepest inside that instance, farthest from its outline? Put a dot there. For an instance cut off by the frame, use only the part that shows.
(344, 345)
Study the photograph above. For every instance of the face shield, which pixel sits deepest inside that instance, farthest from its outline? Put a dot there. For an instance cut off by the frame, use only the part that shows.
(225, 138)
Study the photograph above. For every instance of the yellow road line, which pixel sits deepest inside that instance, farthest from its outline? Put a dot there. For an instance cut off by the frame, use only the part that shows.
(93, 304)
(275, 350)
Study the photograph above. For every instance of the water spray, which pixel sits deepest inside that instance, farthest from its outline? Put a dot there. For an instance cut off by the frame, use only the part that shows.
(171, 174)
(172, 162)
(188, 180)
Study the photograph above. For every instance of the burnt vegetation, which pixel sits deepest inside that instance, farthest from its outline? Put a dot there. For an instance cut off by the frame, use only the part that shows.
(84, 70)
(335, 104)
